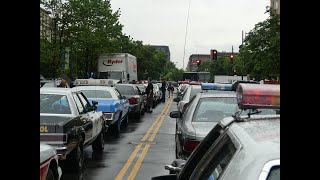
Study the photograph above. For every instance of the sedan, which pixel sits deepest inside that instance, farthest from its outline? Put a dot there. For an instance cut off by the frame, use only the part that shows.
(111, 103)
(190, 92)
(238, 147)
(199, 117)
(69, 123)
(49, 164)
(135, 97)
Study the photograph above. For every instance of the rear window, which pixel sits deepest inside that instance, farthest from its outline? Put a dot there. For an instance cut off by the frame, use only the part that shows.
(126, 90)
(96, 94)
(215, 109)
(54, 104)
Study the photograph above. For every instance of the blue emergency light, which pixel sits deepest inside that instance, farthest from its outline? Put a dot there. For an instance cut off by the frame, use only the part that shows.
(216, 86)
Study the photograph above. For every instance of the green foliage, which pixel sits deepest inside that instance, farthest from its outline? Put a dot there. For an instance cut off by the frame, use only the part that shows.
(90, 28)
(260, 54)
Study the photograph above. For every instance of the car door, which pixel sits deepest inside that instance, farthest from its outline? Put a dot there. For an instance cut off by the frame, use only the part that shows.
(86, 123)
(216, 160)
(123, 102)
(93, 116)
(138, 93)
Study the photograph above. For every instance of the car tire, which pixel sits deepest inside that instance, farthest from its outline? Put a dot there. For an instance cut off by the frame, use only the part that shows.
(138, 115)
(50, 175)
(126, 121)
(116, 127)
(98, 144)
(76, 157)
(143, 110)
(153, 104)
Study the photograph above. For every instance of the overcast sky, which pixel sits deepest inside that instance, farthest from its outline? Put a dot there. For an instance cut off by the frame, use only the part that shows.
(213, 24)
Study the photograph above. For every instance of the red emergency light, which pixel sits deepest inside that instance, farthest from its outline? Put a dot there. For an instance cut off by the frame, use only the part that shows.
(258, 96)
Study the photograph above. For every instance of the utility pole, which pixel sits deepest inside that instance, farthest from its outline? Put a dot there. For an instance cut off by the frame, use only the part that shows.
(242, 38)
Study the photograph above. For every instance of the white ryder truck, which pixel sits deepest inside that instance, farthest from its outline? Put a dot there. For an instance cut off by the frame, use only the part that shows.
(117, 66)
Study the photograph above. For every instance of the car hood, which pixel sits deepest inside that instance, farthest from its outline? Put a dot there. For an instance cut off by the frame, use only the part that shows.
(46, 151)
(106, 105)
(203, 128)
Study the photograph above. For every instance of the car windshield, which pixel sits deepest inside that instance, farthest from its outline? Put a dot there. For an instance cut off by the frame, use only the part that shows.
(141, 88)
(215, 109)
(126, 90)
(54, 104)
(97, 94)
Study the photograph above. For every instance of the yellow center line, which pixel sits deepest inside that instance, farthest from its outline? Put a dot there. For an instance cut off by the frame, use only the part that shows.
(138, 164)
(138, 147)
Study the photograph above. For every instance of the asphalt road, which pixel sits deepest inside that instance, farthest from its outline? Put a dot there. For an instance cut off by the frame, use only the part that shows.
(144, 147)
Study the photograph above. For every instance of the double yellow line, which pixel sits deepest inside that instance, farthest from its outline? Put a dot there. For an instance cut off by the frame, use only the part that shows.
(136, 167)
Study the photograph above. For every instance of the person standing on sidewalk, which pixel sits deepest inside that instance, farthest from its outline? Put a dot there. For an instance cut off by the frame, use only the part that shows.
(149, 92)
(163, 89)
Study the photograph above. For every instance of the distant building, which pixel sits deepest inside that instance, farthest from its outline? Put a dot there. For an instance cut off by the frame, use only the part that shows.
(275, 5)
(45, 24)
(192, 63)
(164, 49)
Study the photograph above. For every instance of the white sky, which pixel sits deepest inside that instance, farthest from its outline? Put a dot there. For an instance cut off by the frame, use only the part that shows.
(213, 24)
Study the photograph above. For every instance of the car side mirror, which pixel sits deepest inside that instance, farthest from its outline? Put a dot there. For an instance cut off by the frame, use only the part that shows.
(175, 114)
(143, 93)
(177, 99)
(94, 105)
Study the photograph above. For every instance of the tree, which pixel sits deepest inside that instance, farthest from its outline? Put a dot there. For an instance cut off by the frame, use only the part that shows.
(260, 54)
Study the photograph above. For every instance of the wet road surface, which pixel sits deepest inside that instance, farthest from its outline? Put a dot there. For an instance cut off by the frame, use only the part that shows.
(144, 147)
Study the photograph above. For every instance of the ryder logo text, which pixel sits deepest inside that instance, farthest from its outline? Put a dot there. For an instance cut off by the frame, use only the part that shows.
(110, 62)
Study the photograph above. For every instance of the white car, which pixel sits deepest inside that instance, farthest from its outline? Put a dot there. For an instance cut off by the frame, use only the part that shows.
(49, 164)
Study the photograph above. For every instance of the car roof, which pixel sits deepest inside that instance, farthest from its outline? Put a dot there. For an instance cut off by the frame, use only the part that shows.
(132, 85)
(216, 93)
(93, 88)
(58, 90)
(260, 143)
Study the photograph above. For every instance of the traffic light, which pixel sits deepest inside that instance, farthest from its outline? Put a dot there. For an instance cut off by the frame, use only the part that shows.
(198, 63)
(231, 56)
(214, 54)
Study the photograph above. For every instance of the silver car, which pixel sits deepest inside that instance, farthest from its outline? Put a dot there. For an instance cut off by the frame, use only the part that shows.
(200, 116)
(191, 91)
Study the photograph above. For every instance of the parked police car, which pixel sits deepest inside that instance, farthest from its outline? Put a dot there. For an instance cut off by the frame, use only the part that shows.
(49, 164)
(69, 123)
(239, 147)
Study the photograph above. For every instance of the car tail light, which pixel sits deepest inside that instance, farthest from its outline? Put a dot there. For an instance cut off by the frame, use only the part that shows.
(133, 100)
(107, 116)
(53, 137)
(43, 172)
(189, 145)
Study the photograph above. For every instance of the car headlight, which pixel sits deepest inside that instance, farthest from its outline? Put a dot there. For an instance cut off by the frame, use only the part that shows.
(107, 116)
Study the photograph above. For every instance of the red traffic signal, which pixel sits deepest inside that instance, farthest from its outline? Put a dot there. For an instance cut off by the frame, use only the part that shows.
(214, 54)
(231, 56)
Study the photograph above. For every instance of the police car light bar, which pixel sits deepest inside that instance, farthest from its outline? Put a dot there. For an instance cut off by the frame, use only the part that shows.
(258, 96)
(216, 86)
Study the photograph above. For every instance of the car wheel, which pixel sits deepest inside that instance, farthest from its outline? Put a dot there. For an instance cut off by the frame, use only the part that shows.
(50, 175)
(126, 121)
(143, 110)
(138, 115)
(98, 144)
(76, 156)
(153, 104)
(116, 127)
